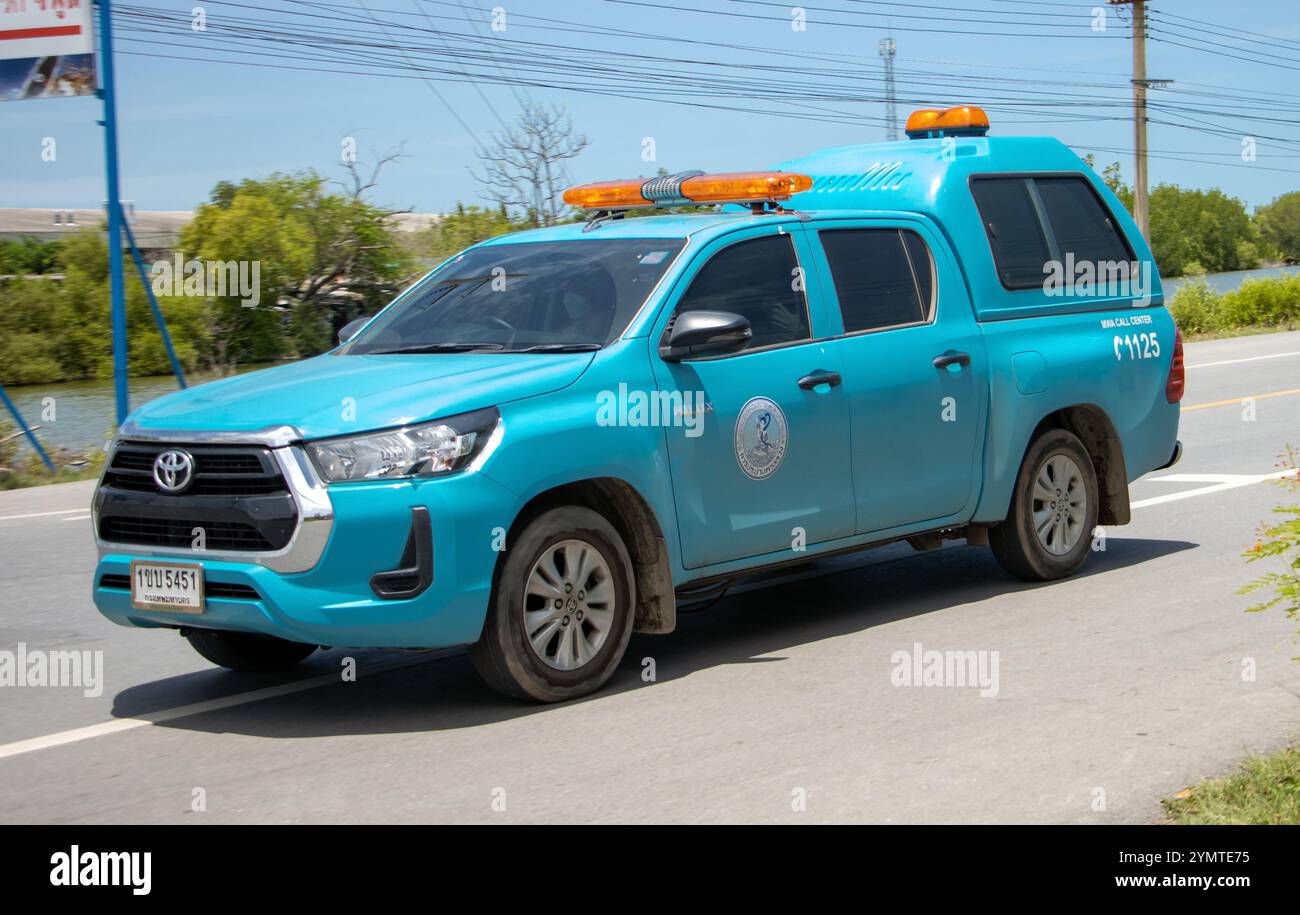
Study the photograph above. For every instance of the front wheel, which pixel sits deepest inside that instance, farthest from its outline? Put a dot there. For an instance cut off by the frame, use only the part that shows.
(1048, 531)
(561, 610)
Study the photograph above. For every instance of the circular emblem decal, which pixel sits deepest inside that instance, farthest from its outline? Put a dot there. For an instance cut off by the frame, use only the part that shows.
(173, 470)
(761, 435)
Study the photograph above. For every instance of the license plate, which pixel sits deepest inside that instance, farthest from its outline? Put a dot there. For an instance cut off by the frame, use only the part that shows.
(173, 586)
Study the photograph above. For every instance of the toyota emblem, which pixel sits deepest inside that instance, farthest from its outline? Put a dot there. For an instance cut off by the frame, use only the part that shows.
(173, 470)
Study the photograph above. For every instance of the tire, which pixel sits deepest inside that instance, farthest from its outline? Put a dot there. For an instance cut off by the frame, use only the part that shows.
(563, 553)
(1056, 455)
(246, 651)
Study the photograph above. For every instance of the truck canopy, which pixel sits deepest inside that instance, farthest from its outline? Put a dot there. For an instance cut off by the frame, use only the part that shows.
(934, 177)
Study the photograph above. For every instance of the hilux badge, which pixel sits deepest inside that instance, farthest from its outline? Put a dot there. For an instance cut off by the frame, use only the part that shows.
(761, 435)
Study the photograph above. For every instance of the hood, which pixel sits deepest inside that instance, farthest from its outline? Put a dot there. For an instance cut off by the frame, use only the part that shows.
(387, 390)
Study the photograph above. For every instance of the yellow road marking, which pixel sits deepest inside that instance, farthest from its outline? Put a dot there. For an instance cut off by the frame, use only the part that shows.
(1238, 400)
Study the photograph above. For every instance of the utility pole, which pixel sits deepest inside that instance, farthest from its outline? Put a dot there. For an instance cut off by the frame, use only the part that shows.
(1140, 82)
(887, 51)
(1140, 209)
(117, 294)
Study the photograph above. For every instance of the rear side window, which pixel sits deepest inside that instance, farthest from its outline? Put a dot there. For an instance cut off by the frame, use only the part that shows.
(1014, 229)
(1033, 220)
(923, 267)
(1079, 222)
(758, 279)
(878, 276)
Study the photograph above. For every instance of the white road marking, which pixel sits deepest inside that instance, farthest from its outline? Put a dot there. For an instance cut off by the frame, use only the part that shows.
(63, 511)
(118, 725)
(1220, 482)
(77, 518)
(1206, 365)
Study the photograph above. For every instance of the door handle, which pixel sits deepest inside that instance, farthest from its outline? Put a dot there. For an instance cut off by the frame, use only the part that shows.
(808, 382)
(951, 357)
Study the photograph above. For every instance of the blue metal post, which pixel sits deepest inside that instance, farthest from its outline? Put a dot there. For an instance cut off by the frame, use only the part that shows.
(22, 424)
(153, 302)
(117, 295)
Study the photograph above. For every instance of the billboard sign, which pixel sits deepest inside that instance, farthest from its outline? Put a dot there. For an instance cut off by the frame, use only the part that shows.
(46, 49)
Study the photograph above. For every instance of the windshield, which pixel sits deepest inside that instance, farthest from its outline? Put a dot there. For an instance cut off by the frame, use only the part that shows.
(554, 296)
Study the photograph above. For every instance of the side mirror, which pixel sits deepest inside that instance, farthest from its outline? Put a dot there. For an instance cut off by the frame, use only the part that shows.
(706, 333)
(350, 329)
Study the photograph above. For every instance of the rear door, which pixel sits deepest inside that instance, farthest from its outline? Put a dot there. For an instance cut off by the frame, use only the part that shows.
(767, 469)
(914, 369)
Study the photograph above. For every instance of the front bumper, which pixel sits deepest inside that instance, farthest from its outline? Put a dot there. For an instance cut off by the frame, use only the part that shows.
(331, 602)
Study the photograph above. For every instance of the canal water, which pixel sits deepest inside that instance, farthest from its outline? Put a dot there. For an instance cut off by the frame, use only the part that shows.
(1226, 282)
(83, 411)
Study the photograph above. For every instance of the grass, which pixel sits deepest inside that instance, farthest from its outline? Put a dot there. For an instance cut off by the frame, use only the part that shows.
(18, 471)
(1250, 330)
(21, 479)
(1266, 792)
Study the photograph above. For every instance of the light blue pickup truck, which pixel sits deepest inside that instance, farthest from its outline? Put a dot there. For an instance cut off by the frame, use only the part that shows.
(557, 436)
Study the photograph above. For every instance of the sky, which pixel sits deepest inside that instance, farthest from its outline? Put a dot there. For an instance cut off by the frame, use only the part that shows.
(719, 85)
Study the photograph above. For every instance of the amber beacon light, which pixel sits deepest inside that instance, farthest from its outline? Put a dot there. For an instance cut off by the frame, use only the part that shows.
(686, 188)
(962, 121)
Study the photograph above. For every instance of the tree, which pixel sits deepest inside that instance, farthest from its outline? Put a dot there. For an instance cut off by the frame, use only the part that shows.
(1279, 224)
(28, 255)
(1194, 231)
(523, 167)
(1113, 176)
(324, 257)
(59, 330)
(1205, 228)
(463, 227)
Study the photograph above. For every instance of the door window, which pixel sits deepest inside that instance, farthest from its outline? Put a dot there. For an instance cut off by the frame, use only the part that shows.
(883, 277)
(760, 280)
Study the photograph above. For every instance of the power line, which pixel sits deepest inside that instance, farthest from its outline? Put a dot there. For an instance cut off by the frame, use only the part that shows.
(787, 90)
(854, 25)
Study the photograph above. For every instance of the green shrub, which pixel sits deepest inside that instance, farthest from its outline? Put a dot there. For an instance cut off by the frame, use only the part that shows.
(1196, 307)
(1269, 302)
(1280, 542)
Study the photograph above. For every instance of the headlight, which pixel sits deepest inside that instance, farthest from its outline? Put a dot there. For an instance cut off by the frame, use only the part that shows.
(427, 449)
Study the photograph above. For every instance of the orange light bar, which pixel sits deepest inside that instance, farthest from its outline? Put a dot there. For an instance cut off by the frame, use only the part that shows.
(607, 195)
(963, 120)
(921, 120)
(677, 189)
(744, 186)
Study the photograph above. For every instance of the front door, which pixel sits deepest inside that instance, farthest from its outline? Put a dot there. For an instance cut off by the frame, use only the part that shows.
(766, 471)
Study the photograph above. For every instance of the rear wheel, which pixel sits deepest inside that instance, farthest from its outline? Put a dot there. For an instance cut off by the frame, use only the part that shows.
(246, 651)
(1048, 531)
(561, 611)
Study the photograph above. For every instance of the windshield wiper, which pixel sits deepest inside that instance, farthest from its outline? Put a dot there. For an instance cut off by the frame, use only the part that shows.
(559, 348)
(437, 348)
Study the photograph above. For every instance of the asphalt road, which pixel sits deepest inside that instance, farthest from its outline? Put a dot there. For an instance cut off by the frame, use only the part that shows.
(778, 704)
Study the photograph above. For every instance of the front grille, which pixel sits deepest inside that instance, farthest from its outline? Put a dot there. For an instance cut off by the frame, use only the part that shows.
(220, 535)
(212, 590)
(238, 498)
(218, 470)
